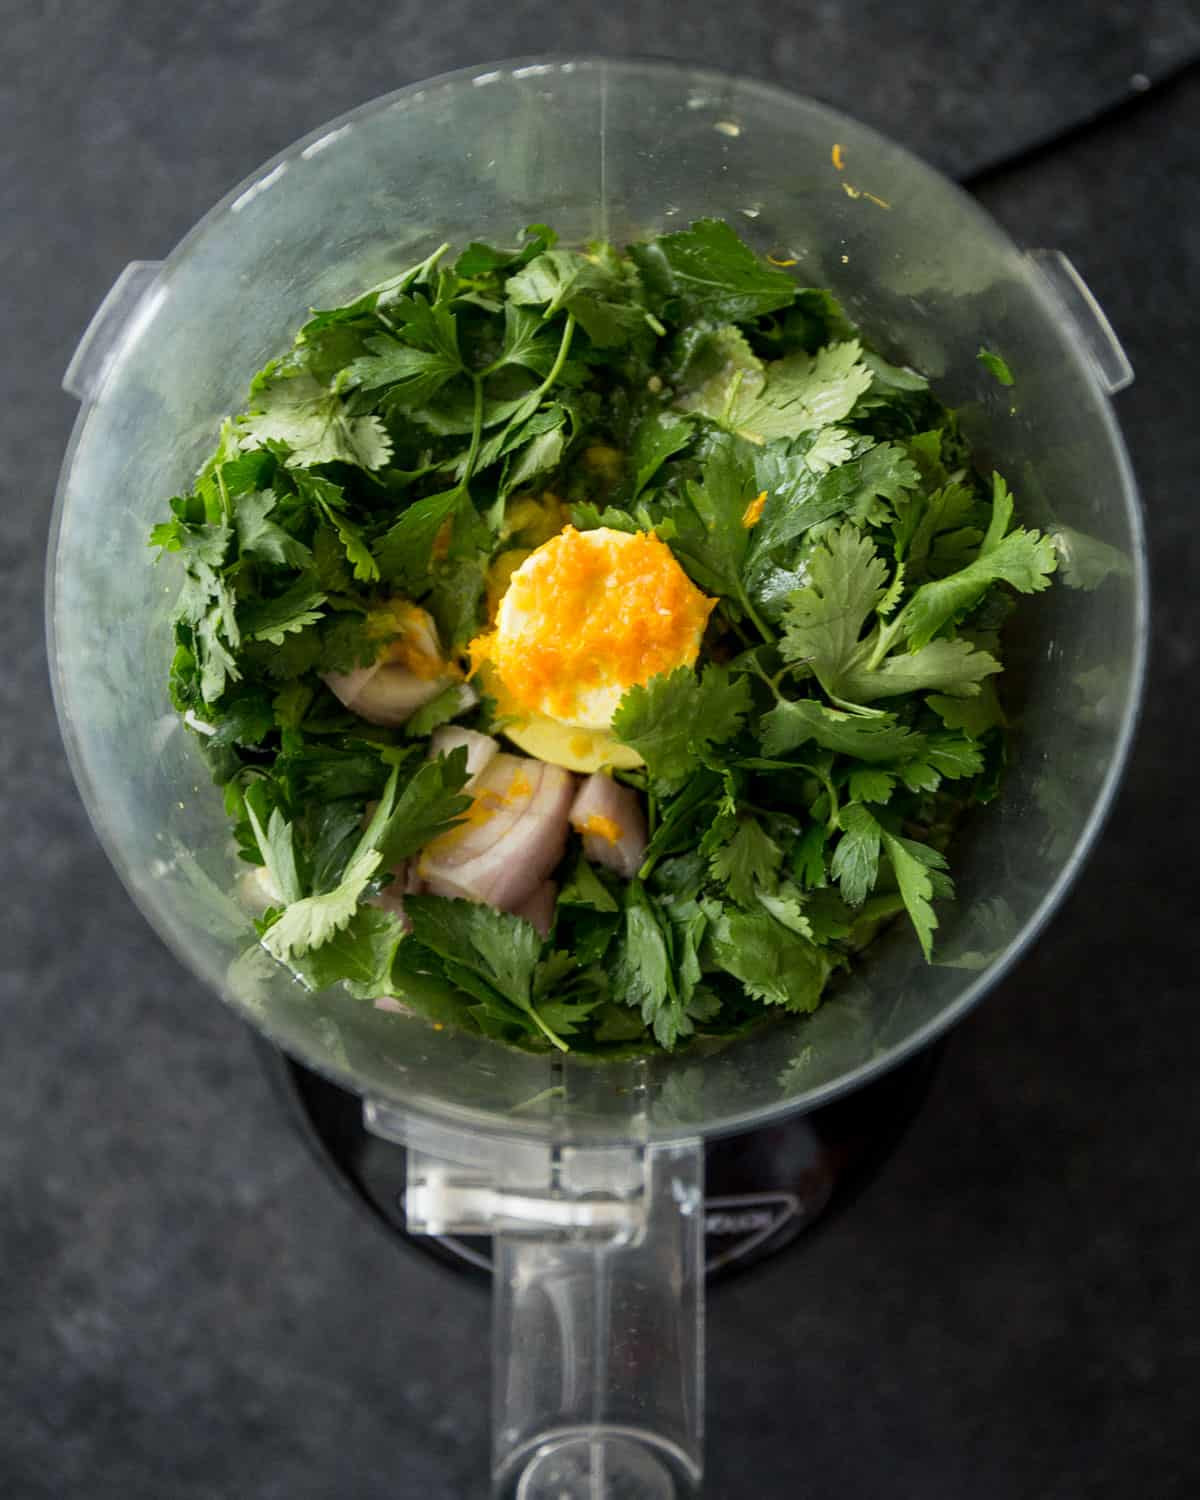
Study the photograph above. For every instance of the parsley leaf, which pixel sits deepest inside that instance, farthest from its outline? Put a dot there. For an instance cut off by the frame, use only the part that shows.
(430, 804)
(449, 703)
(792, 724)
(404, 551)
(361, 955)
(918, 870)
(412, 376)
(478, 943)
(596, 297)
(855, 863)
(655, 439)
(277, 847)
(585, 888)
(528, 341)
(712, 274)
(747, 861)
(658, 966)
(288, 613)
(711, 537)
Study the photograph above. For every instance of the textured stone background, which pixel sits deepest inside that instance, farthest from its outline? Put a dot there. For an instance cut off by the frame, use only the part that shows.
(187, 1308)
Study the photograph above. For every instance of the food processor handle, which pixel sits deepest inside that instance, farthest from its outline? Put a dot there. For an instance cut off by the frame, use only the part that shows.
(598, 1311)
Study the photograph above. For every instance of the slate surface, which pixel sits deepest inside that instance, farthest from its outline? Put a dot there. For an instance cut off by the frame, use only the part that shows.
(187, 1309)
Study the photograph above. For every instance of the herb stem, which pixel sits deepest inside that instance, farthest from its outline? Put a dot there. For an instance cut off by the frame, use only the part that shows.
(765, 631)
(887, 634)
(226, 502)
(771, 682)
(546, 1032)
(476, 434)
(560, 359)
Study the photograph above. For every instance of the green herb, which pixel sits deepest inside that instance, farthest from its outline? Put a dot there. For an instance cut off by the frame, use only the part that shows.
(997, 366)
(800, 782)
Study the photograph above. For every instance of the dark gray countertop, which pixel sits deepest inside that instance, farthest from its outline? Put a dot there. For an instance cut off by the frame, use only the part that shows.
(187, 1308)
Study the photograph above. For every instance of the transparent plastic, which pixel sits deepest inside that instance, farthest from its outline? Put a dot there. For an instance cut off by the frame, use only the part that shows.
(615, 150)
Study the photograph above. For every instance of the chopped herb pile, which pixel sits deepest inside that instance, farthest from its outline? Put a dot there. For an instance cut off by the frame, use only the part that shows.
(800, 784)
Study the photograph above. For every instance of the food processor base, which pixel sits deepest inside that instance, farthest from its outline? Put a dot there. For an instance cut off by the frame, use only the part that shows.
(764, 1188)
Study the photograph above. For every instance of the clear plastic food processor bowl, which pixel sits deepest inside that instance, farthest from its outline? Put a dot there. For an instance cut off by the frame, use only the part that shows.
(589, 1176)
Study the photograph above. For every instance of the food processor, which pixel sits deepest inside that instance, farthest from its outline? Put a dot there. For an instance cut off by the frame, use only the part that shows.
(586, 1179)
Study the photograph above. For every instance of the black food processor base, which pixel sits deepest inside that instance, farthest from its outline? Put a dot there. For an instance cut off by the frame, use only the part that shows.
(764, 1188)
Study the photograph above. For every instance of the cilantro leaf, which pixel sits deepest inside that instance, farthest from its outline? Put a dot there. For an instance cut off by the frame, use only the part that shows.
(673, 720)
(798, 394)
(824, 623)
(824, 620)
(264, 539)
(314, 423)
(1085, 561)
(313, 920)
(974, 716)
(1023, 559)
(713, 274)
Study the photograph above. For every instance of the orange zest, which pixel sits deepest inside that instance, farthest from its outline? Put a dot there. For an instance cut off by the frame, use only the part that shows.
(838, 159)
(753, 512)
(594, 611)
(602, 827)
